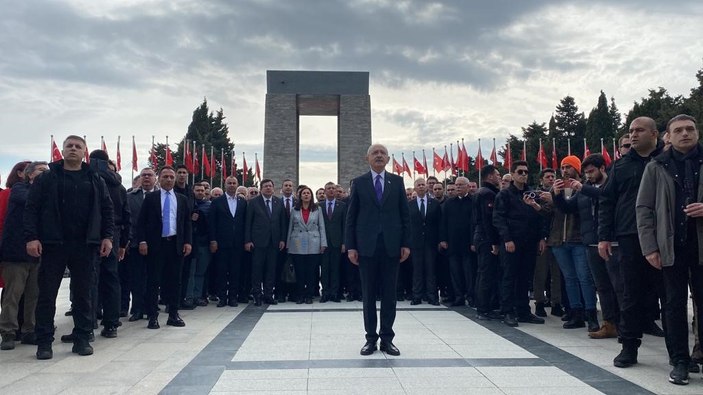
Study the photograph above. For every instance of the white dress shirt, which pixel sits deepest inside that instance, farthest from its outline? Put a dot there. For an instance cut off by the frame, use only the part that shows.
(418, 203)
(383, 179)
(232, 203)
(173, 210)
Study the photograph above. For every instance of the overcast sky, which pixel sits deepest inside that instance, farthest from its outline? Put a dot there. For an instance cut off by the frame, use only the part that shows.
(439, 71)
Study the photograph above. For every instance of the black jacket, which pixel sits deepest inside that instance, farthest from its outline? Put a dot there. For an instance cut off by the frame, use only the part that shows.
(225, 229)
(150, 223)
(456, 228)
(335, 226)
(484, 230)
(118, 194)
(585, 202)
(13, 248)
(515, 220)
(261, 228)
(616, 214)
(424, 232)
(42, 215)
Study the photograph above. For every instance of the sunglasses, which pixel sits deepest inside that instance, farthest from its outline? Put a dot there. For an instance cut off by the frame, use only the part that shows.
(521, 172)
(627, 145)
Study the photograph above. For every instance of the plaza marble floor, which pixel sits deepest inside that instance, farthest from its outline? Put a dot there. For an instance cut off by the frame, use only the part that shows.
(302, 349)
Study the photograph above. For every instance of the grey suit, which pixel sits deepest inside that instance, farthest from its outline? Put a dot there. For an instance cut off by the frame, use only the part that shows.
(304, 243)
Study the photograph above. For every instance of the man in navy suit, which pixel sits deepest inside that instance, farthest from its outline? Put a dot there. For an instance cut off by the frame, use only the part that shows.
(425, 215)
(264, 235)
(165, 237)
(226, 222)
(377, 239)
(334, 213)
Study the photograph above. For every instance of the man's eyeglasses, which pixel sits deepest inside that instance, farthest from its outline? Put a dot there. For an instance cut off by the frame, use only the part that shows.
(521, 172)
(626, 145)
(253, 193)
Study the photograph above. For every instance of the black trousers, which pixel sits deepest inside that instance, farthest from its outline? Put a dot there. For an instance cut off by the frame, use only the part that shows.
(228, 261)
(424, 278)
(444, 278)
(185, 275)
(282, 288)
(80, 259)
(123, 270)
(137, 280)
(263, 270)
(245, 276)
(639, 279)
(604, 286)
(518, 268)
(488, 279)
(330, 264)
(109, 288)
(462, 275)
(676, 283)
(164, 272)
(353, 278)
(379, 271)
(306, 274)
(404, 286)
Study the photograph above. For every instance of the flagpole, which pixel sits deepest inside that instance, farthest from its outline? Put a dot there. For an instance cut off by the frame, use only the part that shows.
(116, 158)
(451, 154)
(222, 165)
(495, 158)
(414, 159)
(202, 164)
(479, 170)
(51, 149)
(568, 141)
(212, 152)
(153, 152)
(133, 158)
(524, 149)
(614, 150)
(193, 154)
(445, 166)
(584, 147)
(541, 155)
(434, 171)
(86, 147)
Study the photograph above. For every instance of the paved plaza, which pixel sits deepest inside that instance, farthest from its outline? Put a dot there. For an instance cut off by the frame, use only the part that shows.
(299, 349)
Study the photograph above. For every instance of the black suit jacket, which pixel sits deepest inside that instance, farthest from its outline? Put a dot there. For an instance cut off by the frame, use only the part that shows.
(367, 217)
(424, 231)
(456, 228)
(335, 226)
(262, 229)
(149, 229)
(225, 229)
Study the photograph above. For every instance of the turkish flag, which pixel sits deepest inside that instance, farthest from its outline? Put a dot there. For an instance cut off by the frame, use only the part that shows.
(479, 159)
(397, 168)
(438, 162)
(541, 157)
(555, 159)
(245, 169)
(258, 168)
(465, 160)
(169, 158)
(206, 163)
(135, 163)
(418, 166)
(224, 167)
(406, 168)
(118, 156)
(606, 157)
(55, 152)
(586, 151)
(153, 159)
(189, 158)
(494, 156)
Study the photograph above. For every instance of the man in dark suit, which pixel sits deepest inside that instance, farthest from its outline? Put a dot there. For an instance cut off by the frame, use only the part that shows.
(136, 263)
(377, 239)
(283, 289)
(335, 212)
(265, 236)
(456, 238)
(226, 222)
(425, 215)
(165, 237)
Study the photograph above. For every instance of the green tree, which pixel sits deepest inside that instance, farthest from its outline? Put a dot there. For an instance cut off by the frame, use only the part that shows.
(615, 116)
(659, 105)
(599, 124)
(569, 127)
(693, 105)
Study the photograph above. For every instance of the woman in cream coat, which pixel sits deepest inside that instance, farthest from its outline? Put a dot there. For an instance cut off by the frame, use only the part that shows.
(306, 243)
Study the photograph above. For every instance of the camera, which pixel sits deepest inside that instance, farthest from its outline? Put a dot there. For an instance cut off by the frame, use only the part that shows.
(530, 194)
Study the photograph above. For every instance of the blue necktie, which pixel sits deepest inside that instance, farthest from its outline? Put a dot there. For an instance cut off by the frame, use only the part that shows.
(268, 206)
(379, 188)
(166, 216)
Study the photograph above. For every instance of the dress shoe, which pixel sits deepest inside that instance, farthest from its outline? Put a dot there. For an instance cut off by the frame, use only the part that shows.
(109, 332)
(471, 302)
(458, 302)
(175, 320)
(368, 348)
(270, 300)
(539, 310)
(281, 299)
(324, 299)
(153, 323)
(82, 348)
(308, 300)
(557, 310)
(300, 301)
(187, 304)
(135, 317)
(389, 348)
(607, 331)
(123, 313)
(531, 319)
(70, 338)
(653, 329)
(415, 302)
(257, 300)
(232, 303)
(400, 298)
(44, 352)
(510, 320)
(222, 302)
(350, 298)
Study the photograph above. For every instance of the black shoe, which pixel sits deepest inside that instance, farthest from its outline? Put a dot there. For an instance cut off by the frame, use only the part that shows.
(458, 302)
(679, 375)
(29, 338)
(389, 348)
(510, 320)
(471, 302)
(243, 299)
(123, 313)
(628, 354)
(68, 313)
(82, 348)
(257, 300)
(531, 319)
(592, 320)
(44, 352)
(308, 300)
(175, 320)
(153, 323)
(109, 332)
(202, 302)
(415, 302)
(336, 299)
(232, 303)
(434, 302)
(482, 317)
(135, 317)
(368, 348)
(350, 298)
(653, 329)
(324, 299)
(281, 299)
(222, 302)
(693, 367)
(8, 342)
(399, 298)
(557, 310)
(539, 310)
(300, 301)
(70, 338)
(214, 298)
(496, 315)
(270, 300)
(187, 304)
(576, 320)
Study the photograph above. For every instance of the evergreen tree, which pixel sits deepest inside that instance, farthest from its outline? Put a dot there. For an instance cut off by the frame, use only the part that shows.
(693, 105)
(599, 124)
(659, 105)
(615, 117)
(569, 126)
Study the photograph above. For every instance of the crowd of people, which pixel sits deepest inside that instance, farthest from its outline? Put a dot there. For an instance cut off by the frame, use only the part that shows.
(626, 237)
